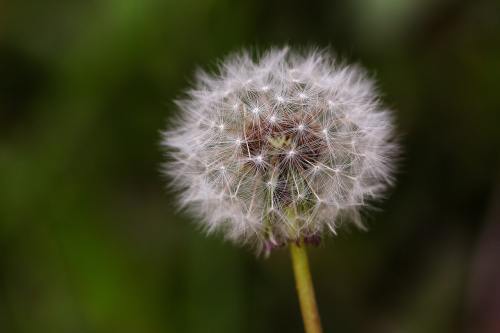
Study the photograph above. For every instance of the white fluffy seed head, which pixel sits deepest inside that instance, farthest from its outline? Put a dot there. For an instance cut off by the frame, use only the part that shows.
(280, 149)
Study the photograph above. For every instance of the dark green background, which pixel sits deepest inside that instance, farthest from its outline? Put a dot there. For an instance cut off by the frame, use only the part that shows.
(90, 240)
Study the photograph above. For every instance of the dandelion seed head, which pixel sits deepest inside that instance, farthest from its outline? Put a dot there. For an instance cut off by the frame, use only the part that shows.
(281, 148)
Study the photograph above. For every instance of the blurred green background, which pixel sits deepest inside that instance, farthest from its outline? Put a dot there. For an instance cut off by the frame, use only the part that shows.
(90, 240)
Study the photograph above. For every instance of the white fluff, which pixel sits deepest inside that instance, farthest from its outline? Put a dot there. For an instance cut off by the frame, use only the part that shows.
(280, 149)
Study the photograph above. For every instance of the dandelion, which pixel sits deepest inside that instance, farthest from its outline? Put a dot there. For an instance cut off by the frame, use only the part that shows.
(280, 151)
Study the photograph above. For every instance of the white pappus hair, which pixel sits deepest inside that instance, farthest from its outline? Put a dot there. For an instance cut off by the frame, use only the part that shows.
(280, 149)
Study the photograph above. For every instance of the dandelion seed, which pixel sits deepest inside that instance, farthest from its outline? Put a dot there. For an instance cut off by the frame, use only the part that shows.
(290, 179)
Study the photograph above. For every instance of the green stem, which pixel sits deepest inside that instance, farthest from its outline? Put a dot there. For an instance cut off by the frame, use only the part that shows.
(305, 289)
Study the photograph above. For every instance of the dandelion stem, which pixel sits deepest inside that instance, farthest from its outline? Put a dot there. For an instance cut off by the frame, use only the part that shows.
(305, 289)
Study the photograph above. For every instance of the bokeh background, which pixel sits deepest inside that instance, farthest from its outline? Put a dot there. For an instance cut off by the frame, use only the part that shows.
(90, 240)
